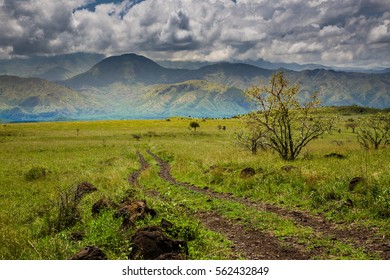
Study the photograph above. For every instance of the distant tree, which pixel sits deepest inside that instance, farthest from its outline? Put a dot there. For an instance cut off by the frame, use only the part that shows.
(194, 125)
(287, 125)
(374, 131)
(351, 124)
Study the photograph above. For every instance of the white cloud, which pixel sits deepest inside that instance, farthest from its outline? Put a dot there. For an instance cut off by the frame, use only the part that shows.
(330, 30)
(303, 31)
(380, 33)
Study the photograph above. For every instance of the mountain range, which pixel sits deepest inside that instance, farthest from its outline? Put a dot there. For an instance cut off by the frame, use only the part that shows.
(90, 86)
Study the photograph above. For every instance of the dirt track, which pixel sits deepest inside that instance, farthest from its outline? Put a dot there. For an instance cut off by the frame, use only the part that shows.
(254, 244)
(133, 178)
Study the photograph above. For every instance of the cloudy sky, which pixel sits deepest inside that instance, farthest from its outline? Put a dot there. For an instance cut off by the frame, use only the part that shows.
(330, 32)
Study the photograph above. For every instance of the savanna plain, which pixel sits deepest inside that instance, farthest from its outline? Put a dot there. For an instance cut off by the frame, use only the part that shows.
(315, 207)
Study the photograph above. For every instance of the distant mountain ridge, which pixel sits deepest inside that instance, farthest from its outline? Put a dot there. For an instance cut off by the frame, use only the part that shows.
(127, 68)
(133, 86)
(25, 99)
(42, 66)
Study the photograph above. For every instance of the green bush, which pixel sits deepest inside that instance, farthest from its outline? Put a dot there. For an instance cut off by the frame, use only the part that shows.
(36, 173)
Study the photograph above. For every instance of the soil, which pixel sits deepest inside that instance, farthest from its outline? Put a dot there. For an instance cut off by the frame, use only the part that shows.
(133, 178)
(252, 243)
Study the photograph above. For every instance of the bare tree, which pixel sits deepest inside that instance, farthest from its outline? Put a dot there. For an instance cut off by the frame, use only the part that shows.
(351, 124)
(374, 131)
(286, 125)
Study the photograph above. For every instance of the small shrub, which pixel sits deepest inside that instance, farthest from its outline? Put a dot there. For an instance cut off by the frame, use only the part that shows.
(136, 136)
(68, 212)
(36, 173)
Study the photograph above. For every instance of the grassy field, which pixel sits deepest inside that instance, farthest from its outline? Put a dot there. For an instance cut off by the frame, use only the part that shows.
(40, 162)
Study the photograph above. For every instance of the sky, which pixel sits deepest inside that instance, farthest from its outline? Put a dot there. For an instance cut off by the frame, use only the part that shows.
(346, 33)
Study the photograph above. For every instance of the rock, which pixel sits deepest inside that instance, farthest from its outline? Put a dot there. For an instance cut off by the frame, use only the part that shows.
(102, 204)
(247, 172)
(90, 253)
(354, 182)
(77, 236)
(84, 188)
(165, 224)
(335, 155)
(132, 212)
(150, 243)
(288, 168)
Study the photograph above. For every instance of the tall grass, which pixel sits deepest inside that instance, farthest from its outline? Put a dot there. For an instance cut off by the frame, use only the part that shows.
(41, 160)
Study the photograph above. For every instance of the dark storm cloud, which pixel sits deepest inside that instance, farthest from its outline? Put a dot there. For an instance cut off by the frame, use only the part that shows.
(345, 32)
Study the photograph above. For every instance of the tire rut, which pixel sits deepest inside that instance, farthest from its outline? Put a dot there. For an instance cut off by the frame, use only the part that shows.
(251, 243)
(248, 242)
(358, 237)
(133, 178)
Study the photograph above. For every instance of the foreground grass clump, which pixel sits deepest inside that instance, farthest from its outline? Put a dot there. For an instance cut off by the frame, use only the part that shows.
(36, 172)
(42, 163)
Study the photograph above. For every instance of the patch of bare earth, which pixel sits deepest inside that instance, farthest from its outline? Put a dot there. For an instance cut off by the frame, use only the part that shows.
(133, 178)
(248, 242)
(365, 238)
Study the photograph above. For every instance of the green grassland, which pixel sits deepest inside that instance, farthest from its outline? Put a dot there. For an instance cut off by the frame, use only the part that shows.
(42, 161)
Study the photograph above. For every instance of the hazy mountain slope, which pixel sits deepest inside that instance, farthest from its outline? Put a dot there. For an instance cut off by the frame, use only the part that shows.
(231, 74)
(194, 98)
(33, 98)
(36, 66)
(56, 74)
(343, 88)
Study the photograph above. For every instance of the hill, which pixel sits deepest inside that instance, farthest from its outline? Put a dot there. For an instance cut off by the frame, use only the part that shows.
(127, 69)
(24, 99)
(196, 98)
(41, 66)
(345, 88)
(56, 74)
(133, 86)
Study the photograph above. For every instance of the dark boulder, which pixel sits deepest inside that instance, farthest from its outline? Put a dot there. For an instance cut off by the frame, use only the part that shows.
(288, 168)
(335, 155)
(102, 204)
(133, 211)
(354, 182)
(90, 253)
(83, 189)
(150, 243)
(165, 224)
(247, 172)
(77, 236)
